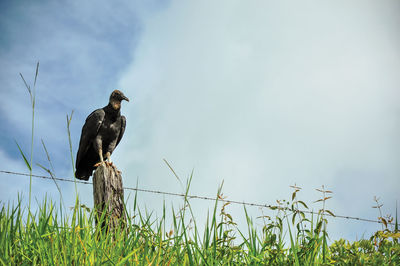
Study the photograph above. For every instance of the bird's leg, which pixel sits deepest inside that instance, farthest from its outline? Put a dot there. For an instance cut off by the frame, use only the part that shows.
(108, 156)
(101, 158)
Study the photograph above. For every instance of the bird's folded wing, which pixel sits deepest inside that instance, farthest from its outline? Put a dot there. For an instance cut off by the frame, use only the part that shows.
(122, 131)
(89, 132)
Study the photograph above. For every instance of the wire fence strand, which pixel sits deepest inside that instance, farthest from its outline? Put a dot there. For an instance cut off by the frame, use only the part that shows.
(244, 203)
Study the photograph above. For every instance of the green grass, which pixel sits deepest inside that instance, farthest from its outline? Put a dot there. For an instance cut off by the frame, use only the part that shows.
(53, 237)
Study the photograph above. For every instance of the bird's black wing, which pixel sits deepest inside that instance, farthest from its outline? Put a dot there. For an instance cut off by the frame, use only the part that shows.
(89, 132)
(122, 131)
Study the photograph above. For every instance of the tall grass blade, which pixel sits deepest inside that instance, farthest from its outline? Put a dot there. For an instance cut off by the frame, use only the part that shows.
(396, 226)
(293, 245)
(26, 85)
(170, 167)
(69, 118)
(52, 177)
(24, 157)
(125, 259)
(33, 100)
(48, 156)
(36, 74)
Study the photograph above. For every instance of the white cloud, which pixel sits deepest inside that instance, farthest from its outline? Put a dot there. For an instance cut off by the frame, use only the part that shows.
(265, 95)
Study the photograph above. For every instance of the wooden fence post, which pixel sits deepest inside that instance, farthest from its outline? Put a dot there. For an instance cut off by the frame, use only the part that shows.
(108, 196)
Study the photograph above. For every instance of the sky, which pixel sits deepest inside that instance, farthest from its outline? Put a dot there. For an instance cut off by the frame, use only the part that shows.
(257, 95)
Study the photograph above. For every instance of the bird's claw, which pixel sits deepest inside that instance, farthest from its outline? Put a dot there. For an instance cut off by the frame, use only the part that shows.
(98, 164)
(109, 163)
(105, 162)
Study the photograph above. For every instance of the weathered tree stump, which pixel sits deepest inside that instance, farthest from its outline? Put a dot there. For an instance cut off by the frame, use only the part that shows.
(108, 196)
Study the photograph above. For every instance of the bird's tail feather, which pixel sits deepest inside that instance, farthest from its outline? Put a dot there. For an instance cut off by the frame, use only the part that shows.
(82, 174)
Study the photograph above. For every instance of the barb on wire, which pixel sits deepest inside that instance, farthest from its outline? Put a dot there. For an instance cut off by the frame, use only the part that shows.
(273, 207)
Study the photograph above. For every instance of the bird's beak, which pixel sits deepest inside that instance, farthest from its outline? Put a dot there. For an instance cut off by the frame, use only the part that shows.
(125, 98)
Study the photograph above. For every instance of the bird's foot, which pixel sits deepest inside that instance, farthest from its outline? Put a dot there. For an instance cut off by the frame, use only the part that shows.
(109, 163)
(98, 164)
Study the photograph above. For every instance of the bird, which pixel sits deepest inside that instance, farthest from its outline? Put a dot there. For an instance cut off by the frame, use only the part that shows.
(101, 133)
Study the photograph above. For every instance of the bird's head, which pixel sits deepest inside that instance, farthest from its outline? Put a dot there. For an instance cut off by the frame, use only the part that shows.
(115, 99)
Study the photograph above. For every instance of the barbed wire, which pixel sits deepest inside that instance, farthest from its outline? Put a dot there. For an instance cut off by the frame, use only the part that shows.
(244, 203)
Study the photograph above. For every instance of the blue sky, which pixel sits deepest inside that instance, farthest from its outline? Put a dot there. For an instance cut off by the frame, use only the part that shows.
(260, 94)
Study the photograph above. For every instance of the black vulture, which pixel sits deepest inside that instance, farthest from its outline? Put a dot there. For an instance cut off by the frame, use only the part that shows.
(101, 133)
